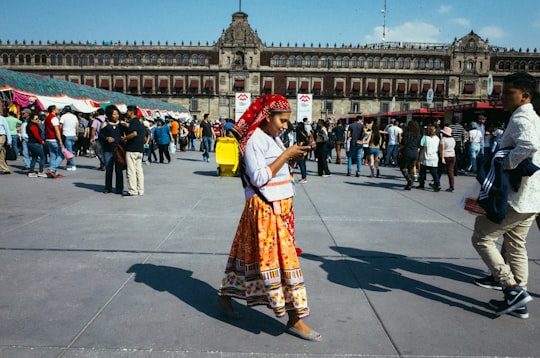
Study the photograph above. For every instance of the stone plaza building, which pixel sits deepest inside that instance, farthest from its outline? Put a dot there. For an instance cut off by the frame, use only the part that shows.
(345, 79)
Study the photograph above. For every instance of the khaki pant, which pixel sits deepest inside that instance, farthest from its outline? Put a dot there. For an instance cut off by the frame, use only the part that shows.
(135, 175)
(514, 266)
(3, 165)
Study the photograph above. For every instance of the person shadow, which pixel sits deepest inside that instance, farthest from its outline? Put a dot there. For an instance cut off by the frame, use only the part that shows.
(201, 296)
(382, 272)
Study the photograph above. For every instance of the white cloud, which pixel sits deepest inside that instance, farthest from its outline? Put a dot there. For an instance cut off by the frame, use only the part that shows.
(492, 32)
(417, 31)
(461, 21)
(444, 9)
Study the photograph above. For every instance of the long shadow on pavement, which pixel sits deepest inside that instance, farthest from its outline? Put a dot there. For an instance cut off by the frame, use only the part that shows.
(384, 272)
(201, 296)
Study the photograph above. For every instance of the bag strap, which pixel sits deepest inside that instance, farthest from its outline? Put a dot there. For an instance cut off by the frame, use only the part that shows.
(246, 182)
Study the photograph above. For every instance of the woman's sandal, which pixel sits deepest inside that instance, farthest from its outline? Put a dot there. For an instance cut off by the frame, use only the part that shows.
(313, 336)
(232, 315)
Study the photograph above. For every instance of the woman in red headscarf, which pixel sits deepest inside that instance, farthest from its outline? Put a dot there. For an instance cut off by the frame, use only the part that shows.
(263, 266)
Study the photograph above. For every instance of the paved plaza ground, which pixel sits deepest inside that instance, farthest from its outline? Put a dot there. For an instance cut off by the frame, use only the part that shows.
(388, 272)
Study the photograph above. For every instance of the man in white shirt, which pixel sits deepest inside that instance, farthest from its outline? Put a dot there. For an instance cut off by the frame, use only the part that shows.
(70, 129)
(5, 139)
(394, 136)
(523, 136)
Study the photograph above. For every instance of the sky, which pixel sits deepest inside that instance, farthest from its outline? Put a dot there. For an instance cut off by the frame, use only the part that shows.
(355, 22)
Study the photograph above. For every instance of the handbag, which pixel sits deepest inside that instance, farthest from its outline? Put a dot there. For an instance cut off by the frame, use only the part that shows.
(423, 152)
(120, 156)
(172, 148)
(10, 153)
(67, 154)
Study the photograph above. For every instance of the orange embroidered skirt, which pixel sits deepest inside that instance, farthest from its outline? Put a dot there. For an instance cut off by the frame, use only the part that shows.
(263, 267)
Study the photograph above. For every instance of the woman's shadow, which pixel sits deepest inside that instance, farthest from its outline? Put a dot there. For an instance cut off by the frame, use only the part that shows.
(201, 296)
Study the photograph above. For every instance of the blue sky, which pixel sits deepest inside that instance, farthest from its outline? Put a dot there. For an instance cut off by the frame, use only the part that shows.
(286, 21)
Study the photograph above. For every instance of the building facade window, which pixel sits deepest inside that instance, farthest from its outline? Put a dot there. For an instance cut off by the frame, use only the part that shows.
(283, 61)
(53, 60)
(329, 106)
(68, 60)
(346, 62)
(299, 61)
(324, 62)
(107, 60)
(308, 61)
(361, 62)
(275, 61)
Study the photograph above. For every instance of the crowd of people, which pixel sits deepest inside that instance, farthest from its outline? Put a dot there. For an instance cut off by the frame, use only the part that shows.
(416, 147)
(52, 140)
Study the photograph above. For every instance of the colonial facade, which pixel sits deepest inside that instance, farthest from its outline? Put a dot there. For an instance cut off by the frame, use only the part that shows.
(344, 79)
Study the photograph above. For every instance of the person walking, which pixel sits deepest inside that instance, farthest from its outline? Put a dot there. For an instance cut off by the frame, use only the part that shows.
(448, 155)
(394, 137)
(208, 136)
(53, 138)
(303, 139)
(476, 139)
(339, 133)
(110, 135)
(429, 158)
(264, 243)
(35, 147)
(70, 129)
(163, 137)
(522, 140)
(408, 152)
(321, 149)
(355, 133)
(5, 140)
(374, 142)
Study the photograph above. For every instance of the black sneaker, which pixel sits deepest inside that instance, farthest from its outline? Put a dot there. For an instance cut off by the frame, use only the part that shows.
(521, 312)
(488, 282)
(514, 298)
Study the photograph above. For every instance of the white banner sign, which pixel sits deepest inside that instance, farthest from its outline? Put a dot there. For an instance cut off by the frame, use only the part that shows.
(243, 100)
(304, 107)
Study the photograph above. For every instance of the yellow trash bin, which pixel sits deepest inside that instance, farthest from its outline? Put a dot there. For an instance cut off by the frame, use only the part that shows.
(227, 156)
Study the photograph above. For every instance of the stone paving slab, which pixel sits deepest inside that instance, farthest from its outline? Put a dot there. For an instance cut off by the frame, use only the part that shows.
(388, 272)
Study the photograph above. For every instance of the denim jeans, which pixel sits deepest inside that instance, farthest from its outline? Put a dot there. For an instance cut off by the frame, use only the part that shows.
(474, 150)
(111, 165)
(14, 144)
(392, 152)
(55, 155)
(207, 146)
(37, 153)
(302, 166)
(25, 153)
(434, 173)
(355, 151)
(70, 140)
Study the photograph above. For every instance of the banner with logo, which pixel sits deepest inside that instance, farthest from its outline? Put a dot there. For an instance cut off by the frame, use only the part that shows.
(304, 107)
(243, 100)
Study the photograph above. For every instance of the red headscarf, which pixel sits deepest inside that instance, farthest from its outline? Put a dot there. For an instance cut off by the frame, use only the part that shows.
(256, 113)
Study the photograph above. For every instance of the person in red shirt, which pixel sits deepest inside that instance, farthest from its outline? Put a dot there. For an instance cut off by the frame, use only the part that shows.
(35, 147)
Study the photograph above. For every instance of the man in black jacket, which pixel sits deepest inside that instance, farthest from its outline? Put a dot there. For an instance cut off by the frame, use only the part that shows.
(134, 136)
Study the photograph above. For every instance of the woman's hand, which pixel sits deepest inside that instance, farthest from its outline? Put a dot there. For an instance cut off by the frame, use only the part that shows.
(297, 152)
